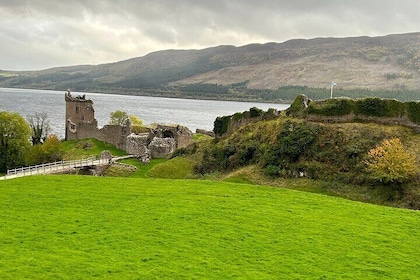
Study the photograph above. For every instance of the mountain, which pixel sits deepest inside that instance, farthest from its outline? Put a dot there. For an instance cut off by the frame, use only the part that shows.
(386, 63)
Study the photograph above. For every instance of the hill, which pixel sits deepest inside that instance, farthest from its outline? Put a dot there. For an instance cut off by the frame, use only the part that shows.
(67, 227)
(330, 140)
(387, 63)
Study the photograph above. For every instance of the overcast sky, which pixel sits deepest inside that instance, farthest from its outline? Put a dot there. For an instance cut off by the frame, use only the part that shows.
(39, 34)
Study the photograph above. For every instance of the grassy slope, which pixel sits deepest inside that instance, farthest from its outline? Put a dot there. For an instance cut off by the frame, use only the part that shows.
(333, 148)
(80, 149)
(66, 227)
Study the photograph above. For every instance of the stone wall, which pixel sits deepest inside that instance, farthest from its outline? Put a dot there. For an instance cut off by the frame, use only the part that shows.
(181, 134)
(136, 144)
(161, 147)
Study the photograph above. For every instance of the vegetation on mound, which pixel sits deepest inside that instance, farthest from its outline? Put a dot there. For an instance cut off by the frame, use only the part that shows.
(78, 149)
(296, 148)
(120, 228)
(225, 124)
(372, 107)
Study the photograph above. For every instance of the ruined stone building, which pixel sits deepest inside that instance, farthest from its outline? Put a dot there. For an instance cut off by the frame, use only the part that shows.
(157, 143)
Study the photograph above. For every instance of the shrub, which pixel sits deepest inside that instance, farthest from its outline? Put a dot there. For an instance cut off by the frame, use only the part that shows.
(221, 125)
(272, 170)
(255, 112)
(332, 107)
(388, 162)
(371, 107)
(413, 110)
(297, 108)
(50, 151)
(377, 107)
(294, 140)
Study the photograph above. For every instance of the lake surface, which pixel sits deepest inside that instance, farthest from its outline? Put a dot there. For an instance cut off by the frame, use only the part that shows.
(191, 113)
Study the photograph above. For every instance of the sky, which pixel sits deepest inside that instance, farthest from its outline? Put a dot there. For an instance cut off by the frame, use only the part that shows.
(40, 34)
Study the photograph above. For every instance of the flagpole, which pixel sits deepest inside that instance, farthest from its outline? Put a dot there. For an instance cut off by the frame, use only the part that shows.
(332, 87)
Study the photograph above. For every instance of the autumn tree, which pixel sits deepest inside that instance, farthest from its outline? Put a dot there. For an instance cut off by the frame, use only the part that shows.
(389, 162)
(50, 151)
(137, 125)
(14, 140)
(40, 126)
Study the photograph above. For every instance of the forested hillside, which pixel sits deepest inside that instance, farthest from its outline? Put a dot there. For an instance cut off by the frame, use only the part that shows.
(385, 66)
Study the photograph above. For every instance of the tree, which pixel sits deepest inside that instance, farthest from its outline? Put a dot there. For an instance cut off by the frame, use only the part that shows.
(388, 162)
(135, 120)
(15, 136)
(118, 118)
(137, 125)
(53, 148)
(49, 151)
(40, 126)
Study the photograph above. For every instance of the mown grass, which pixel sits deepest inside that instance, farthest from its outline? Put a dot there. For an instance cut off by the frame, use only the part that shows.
(74, 227)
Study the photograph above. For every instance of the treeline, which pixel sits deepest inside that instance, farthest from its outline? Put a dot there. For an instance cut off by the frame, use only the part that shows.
(286, 94)
(27, 142)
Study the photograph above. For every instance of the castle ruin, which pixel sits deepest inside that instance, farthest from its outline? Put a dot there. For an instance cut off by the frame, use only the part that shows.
(159, 142)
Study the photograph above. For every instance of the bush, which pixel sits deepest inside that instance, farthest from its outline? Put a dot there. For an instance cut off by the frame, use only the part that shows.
(221, 125)
(374, 107)
(377, 107)
(388, 162)
(294, 140)
(272, 170)
(332, 107)
(255, 112)
(50, 151)
(413, 110)
(297, 108)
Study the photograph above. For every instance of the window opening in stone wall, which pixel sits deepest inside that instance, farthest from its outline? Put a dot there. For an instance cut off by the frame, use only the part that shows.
(168, 134)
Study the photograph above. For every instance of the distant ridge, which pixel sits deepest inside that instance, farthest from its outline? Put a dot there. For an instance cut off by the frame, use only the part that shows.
(389, 63)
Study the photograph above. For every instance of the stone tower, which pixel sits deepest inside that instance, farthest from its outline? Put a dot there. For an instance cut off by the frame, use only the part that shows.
(79, 113)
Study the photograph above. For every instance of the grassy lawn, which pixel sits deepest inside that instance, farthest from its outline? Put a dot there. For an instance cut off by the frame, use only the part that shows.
(75, 227)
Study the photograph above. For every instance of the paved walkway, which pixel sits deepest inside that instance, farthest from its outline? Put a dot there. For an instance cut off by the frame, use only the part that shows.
(57, 167)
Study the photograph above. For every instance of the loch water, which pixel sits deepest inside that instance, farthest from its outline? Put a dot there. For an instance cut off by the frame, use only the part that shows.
(191, 113)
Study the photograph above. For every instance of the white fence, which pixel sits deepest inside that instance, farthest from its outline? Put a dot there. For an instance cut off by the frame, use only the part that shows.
(53, 167)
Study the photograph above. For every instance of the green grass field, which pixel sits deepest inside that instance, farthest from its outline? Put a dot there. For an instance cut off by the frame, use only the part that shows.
(76, 227)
